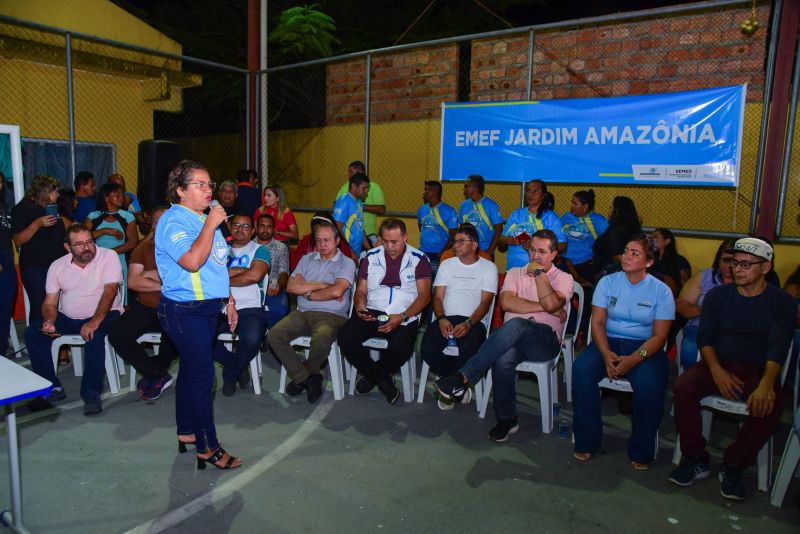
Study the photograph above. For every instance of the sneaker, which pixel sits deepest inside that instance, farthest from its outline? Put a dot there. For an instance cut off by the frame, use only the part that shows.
(503, 428)
(294, 389)
(244, 380)
(467, 396)
(40, 404)
(92, 407)
(731, 486)
(444, 404)
(142, 385)
(389, 390)
(451, 386)
(228, 388)
(314, 387)
(157, 387)
(689, 470)
(364, 386)
(57, 394)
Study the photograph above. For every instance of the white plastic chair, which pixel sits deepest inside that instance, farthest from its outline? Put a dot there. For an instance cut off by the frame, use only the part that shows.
(152, 338)
(569, 340)
(12, 334)
(255, 363)
(736, 407)
(547, 376)
(408, 370)
(426, 369)
(789, 462)
(76, 343)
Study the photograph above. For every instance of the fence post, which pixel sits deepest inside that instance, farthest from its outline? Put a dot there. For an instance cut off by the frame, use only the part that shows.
(366, 112)
(70, 106)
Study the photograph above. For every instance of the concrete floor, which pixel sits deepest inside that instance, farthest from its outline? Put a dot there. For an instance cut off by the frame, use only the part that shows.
(357, 465)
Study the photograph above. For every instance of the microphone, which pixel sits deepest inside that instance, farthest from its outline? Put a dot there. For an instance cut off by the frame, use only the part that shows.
(222, 227)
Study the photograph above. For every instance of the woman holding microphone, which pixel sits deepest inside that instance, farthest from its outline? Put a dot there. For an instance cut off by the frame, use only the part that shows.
(192, 257)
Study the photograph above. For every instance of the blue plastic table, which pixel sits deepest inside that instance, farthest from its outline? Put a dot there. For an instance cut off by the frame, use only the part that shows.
(16, 383)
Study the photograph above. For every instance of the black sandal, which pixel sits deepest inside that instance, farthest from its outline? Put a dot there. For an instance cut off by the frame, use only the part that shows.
(182, 444)
(218, 455)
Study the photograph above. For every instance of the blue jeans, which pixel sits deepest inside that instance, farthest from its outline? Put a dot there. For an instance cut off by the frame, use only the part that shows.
(8, 291)
(33, 280)
(192, 327)
(516, 341)
(94, 360)
(688, 356)
(249, 335)
(278, 308)
(649, 382)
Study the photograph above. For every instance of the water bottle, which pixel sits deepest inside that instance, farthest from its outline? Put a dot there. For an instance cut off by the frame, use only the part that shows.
(452, 346)
(563, 429)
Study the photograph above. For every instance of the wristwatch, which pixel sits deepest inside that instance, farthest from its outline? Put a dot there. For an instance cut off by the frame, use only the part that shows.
(468, 322)
(537, 272)
(405, 316)
(308, 295)
(643, 353)
(440, 317)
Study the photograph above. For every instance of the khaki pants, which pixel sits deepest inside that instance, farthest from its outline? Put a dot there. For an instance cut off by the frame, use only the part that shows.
(321, 326)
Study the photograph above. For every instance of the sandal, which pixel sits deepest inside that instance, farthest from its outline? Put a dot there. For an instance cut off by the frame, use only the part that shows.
(638, 466)
(216, 460)
(582, 456)
(182, 443)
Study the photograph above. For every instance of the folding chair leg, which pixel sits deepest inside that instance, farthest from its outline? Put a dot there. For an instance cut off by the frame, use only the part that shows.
(546, 400)
(335, 367)
(282, 383)
(676, 452)
(111, 368)
(764, 463)
(789, 461)
(423, 381)
(569, 356)
(487, 388)
(254, 373)
(407, 374)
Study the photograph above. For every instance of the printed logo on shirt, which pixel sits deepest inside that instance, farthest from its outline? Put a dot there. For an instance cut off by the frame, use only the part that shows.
(177, 236)
(612, 302)
(241, 261)
(645, 304)
(410, 277)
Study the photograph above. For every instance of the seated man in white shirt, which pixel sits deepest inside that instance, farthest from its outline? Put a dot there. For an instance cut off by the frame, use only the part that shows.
(463, 292)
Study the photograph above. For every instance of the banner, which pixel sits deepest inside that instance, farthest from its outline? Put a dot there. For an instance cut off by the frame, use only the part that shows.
(692, 138)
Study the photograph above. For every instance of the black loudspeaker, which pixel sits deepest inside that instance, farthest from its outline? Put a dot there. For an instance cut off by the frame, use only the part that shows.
(156, 159)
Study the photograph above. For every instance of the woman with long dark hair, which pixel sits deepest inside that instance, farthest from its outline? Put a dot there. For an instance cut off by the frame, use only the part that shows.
(192, 260)
(8, 271)
(275, 205)
(673, 267)
(623, 223)
(524, 222)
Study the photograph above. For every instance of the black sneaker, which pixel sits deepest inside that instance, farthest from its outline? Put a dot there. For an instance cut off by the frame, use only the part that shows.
(142, 385)
(244, 380)
(57, 394)
(731, 486)
(40, 404)
(92, 407)
(314, 387)
(503, 428)
(157, 387)
(389, 390)
(689, 470)
(294, 389)
(451, 386)
(364, 386)
(228, 388)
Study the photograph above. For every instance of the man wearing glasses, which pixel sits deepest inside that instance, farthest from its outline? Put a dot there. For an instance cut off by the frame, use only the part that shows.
(744, 335)
(535, 298)
(248, 265)
(82, 298)
(462, 294)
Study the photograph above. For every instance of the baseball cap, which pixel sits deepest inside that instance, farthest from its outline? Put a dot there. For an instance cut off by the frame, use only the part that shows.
(754, 246)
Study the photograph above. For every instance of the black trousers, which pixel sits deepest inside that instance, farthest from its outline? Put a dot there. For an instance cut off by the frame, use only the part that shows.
(133, 323)
(401, 346)
(433, 343)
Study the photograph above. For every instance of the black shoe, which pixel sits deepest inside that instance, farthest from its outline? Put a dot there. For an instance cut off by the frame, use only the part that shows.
(92, 407)
(57, 394)
(451, 386)
(228, 388)
(503, 428)
(244, 380)
(688, 471)
(364, 386)
(389, 390)
(314, 387)
(40, 404)
(731, 486)
(157, 387)
(294, 389)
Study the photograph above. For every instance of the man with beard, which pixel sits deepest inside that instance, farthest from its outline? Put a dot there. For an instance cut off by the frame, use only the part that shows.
(82, 298)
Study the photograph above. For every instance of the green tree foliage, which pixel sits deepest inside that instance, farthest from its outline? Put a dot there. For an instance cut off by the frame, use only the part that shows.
(303, 32)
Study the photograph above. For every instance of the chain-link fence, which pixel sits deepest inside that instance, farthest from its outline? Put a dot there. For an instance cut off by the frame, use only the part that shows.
(394, 96)
(120, 96)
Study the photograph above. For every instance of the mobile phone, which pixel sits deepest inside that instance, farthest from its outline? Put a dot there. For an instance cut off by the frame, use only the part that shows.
(372, 239)
(52, 209)
(51, 333)
(523, 237)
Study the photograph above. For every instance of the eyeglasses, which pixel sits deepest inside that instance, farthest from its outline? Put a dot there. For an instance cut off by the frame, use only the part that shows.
(237, 226)
(463, 241)
(745, 264)
(83, 244)
(204, 185)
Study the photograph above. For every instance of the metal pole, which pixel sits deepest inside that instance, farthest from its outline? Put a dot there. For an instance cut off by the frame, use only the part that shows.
(366, 112)
(530, 65)
(773, 44)
(787, 147)
(247, 119)
(263, 147)
(522, 194)
(70, 107)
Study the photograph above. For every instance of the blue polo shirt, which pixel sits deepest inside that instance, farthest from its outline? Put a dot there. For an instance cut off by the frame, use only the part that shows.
(581, 233)
(435, 225)
(522, 220)
(176, 231)
(483, 215)
(633, 308)
(350, 212)
(86, 205)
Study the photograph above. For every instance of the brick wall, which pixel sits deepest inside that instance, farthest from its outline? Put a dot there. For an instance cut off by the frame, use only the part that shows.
(648, 56)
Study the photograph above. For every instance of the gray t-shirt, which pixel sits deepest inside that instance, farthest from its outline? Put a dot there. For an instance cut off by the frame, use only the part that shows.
(279, 256)
(315, 269)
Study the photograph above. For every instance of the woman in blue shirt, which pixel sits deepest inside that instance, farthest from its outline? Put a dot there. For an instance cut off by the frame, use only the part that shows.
(524, 222)
(192, 258)
(582, 226)
(113, 227)
(632, 313)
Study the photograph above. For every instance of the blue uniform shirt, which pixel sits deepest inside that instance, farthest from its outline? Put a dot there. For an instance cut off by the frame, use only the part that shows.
(86, 205)
(483, 215)
(350, 212)
(581, 233)
(435, 225)
(522, 220)
(176, 231)
(633, 308)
